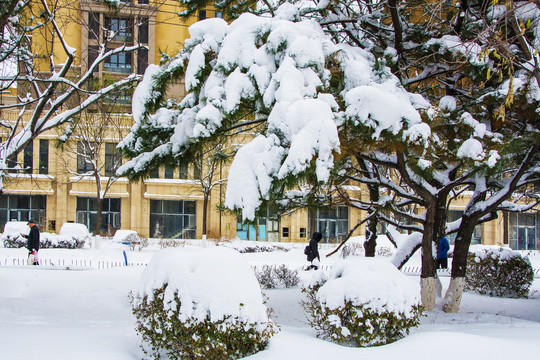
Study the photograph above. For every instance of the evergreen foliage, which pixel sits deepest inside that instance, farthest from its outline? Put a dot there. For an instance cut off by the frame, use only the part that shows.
(165, 332)
(499, 272)
(357, 324)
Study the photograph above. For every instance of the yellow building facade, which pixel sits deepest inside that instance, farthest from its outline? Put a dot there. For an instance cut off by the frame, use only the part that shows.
(49, 188)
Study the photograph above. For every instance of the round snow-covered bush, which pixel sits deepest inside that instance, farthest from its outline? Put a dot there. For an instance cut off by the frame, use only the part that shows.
(201, 304)
(273, 276)
(365, 302)
(499, 272)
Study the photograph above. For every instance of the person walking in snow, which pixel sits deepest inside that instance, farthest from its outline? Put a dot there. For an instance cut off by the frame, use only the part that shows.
(442, 255)
(33, 240)
(313, 254)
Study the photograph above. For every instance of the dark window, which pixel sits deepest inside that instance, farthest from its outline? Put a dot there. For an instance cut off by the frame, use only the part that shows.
(142, 60)
(197, 171)
(22, 208)
(110, 213)
(12, 164)
(28, 157)
(113, 158)
(93, 31)
(120, 29)
(285, 232)
(143, 2)
(303, 232)
(93, 52)
(43, 156)
(169, 172)
(183, 171)
(331, 222)
(120, 62)
(85, 155)
(202, 14)
(143, 31)
(173, 219)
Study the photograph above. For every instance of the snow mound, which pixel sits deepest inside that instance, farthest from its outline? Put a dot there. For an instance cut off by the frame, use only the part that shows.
(372, 282)
(74, 229)
(215, 282)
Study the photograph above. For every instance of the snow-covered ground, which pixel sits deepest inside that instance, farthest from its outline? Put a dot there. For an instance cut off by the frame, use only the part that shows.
(51, 313)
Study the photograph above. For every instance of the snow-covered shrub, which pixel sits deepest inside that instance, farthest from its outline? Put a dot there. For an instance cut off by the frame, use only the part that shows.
(499, 272)
(73, 236)
(266, 276)
(365, 302)
(12, 238)
(167, 243)
(201, 304)
(244, 247)
(273, 276)
(352, 248)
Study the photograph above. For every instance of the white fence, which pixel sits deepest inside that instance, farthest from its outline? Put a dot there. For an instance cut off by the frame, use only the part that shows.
(73, 264)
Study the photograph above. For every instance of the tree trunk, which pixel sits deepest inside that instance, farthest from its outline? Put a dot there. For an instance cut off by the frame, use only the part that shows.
(371, 237)
(452, 299)
(99, 215)
(428, 291)
(205, 212)
(433, 230)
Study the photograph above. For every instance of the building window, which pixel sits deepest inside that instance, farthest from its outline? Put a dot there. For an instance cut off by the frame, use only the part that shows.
(173, 219)
(120, 63)
(332, 223)
(93, 26)
(183, 171)
(143, 31)
(142, 61)
(154, 174)
(43, 156)
(93, 52)
(22, 208)
(303, 232)
(285, 232)
(28, 162)
(110, 213)
(113, 158)
(202, 14)
(524, 231)
(85, 155)
(169, 172)
(120, 29)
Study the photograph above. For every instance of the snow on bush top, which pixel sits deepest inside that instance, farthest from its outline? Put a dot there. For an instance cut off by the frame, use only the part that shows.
(74, 229)
(15, 228)
(495, 252)
(372, 282)
(216, 282)
(121, 235)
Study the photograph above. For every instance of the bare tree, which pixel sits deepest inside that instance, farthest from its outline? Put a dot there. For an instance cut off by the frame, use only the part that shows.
(91, 150)
(52, 91)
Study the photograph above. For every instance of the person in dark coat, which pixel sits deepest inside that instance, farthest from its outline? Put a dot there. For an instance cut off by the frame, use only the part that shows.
(33, 239)
(442, 254)
(314, 251)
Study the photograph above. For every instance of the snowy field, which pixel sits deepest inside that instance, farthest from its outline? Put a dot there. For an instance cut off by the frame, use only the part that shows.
(51, 313)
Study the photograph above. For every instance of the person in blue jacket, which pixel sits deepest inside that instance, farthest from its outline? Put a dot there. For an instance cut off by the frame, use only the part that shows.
(442, 255)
